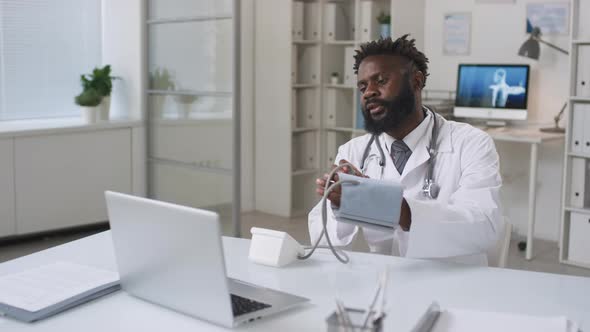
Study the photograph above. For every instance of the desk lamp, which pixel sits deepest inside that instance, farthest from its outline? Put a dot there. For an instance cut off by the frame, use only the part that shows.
(531, 49)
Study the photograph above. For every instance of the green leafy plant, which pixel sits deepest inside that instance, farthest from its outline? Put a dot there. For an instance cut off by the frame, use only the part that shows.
(384, 18)
(161, 80)
(89, 97)
(100, 80)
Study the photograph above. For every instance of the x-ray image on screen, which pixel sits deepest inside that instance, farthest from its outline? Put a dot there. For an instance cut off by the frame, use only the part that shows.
(493, 86)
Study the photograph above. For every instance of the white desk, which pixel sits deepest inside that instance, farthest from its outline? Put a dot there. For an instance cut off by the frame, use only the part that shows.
(414, 284)
(533, 136)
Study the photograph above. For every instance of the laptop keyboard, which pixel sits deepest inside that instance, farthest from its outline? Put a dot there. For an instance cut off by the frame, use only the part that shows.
(241, 305)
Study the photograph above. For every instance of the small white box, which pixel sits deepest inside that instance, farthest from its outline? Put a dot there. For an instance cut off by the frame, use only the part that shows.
(331, 149)
(578, 182)
(311, 15)
(349, 76)
(586, 130)
(579, 238)
(335, 25)
(297, 31)
(368, 20)
(294, 109)
(294, 61)
(310, 150)
(578, 122)
(583, 72)
(330, 108)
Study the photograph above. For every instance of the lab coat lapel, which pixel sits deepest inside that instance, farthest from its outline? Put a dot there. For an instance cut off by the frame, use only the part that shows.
(421, 155)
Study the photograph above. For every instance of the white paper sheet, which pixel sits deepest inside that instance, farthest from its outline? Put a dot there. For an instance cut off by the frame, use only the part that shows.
(457, 320)
(47, 285)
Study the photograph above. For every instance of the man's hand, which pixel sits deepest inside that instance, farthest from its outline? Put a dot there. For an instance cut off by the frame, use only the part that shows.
(334, 196)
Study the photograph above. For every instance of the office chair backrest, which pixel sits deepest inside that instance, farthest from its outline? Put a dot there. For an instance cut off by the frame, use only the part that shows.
(498, 255)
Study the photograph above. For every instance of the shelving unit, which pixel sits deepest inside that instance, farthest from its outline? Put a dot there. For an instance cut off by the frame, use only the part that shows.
(575, 222)
(309, 41)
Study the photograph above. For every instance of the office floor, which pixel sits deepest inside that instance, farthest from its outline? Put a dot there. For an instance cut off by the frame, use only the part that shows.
(545, 259)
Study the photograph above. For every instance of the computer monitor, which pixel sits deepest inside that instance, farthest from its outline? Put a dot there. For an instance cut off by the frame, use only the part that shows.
(492, 91)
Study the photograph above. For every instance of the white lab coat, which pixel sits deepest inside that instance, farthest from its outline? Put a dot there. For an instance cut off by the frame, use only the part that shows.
(461, 225)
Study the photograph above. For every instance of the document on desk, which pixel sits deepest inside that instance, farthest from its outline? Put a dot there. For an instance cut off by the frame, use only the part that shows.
(462, 320)
(40, 292)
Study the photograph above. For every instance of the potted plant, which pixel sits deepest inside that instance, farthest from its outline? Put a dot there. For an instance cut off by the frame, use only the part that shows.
(384, 25)
(89, 100)
(101, 81)
(185, 104)
(335, 78)
(160, 79)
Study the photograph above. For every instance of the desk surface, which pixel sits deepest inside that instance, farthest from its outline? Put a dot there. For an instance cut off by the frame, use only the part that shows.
(414, 284)
(524, 134)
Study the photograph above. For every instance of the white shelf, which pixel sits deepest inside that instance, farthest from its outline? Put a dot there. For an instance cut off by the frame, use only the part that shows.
(581, 42)
(305, 86)
(341, 42)
(346, 130)
(582, 99)
(303, 130)
(578, 210)
(300, 172)
(340, 86)
(190, 19)
(578, 155)
(190, 93)
(306, 42)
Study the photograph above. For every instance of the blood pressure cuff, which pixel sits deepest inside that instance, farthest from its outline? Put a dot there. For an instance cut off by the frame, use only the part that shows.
(371, 201)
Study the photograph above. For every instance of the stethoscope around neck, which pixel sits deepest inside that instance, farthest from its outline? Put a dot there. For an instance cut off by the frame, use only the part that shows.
(430, 189)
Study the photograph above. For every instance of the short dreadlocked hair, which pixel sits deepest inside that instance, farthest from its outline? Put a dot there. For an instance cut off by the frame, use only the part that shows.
(386, 46)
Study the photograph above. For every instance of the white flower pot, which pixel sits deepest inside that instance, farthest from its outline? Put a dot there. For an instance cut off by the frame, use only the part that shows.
(90, 114)
(105, 108)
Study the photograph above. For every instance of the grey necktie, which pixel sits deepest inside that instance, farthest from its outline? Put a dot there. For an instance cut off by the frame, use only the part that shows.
(400, 153)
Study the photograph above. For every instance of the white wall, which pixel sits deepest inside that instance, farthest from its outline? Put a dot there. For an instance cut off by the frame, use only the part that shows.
(497, 32)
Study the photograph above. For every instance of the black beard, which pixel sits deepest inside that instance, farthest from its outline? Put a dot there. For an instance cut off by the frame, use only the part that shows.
(396, 110)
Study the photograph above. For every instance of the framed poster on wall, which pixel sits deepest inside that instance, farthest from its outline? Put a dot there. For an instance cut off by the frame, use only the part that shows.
(551, 18)
(457, 34)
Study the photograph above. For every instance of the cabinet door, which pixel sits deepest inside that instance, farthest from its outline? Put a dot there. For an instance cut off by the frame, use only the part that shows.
(7, 222)
(579, 244)
(583, 72)
(61, 179)
(578, 122)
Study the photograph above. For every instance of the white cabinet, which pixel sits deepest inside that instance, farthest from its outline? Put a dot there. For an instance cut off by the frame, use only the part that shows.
(61, 178)
(574, 243)
(579, 240)
(7, 220)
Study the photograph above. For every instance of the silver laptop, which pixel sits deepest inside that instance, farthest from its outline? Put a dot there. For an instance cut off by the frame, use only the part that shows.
(172, 255)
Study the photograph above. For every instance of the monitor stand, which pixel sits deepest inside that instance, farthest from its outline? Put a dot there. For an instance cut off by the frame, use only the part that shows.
(495, 123)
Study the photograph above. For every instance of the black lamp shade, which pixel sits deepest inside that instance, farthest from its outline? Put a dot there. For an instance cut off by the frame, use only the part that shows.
(530, 49)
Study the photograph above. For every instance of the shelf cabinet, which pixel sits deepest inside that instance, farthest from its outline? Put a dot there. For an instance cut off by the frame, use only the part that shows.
(575, 219)
(307, 103)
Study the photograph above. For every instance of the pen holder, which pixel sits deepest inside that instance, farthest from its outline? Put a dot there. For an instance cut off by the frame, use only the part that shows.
(356, 318)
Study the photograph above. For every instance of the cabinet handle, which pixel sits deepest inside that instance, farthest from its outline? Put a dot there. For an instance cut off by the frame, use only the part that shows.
(577, 142)
(587, 143)
(577, 194)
